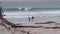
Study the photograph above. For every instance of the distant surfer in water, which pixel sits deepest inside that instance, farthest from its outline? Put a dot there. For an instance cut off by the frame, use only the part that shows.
(31, 18)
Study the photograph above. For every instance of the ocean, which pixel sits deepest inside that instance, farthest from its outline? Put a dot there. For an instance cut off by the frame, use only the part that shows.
(18, 12)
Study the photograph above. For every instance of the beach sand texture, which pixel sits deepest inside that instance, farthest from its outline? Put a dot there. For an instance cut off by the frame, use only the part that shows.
(45, 28)
(3, 30)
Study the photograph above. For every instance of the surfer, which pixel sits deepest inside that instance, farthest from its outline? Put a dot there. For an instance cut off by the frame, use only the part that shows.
(32, 18)
(29, 18)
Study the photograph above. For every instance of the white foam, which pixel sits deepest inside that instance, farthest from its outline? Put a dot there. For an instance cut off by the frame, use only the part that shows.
(19, 13)
(26, 14)
(19, 8)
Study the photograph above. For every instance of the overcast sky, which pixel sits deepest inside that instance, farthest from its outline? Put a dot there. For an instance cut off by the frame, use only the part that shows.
(29, 0)
(41, 3)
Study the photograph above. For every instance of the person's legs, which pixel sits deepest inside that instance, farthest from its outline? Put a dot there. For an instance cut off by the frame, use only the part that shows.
(29, 18)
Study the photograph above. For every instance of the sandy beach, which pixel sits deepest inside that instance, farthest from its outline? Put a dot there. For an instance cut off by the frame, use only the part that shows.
(29, 16)
(34, 30)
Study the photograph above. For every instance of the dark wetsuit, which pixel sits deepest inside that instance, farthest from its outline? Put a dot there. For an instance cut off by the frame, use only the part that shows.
(32, 18)
(29, 18)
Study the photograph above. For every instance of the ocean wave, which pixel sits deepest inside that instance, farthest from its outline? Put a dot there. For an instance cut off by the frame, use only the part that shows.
(17, 9)
(27, 14)
(44, 12)
(29, 9)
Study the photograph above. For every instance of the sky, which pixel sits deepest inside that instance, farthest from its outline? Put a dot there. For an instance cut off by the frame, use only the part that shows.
(41, 3)
(29, 0)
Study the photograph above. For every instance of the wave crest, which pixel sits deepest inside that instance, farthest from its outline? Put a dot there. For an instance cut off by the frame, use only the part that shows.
(29, 9)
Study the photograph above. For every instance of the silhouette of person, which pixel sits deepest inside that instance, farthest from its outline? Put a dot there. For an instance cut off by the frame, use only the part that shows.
(29, 18)
(32, 17)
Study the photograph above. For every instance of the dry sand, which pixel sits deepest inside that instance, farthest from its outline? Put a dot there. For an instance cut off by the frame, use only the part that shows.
(3, 30)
